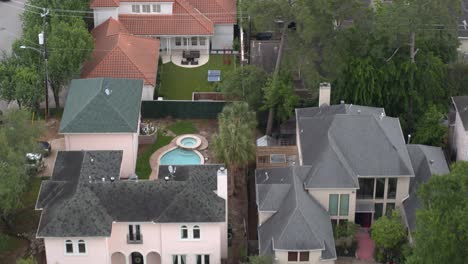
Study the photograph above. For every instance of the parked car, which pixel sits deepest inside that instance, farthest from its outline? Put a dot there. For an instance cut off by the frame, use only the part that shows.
(45, 148)
(34, 162)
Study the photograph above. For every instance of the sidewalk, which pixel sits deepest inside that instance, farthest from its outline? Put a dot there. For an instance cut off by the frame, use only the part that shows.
(365, 250)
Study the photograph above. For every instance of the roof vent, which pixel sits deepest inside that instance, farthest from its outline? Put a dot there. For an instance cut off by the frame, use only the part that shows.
(108, 91)
(431, 161)
(167, 178)
(359, 111)
(112, 179)
(103, 179)
(382, 115)
(342, 102)
(409, 138)
(222, 169)
(92, 160)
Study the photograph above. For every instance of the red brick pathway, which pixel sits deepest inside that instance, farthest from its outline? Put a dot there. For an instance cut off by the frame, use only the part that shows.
(365, 250)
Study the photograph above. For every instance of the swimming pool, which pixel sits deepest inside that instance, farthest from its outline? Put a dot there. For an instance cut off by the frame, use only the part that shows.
(179, 156)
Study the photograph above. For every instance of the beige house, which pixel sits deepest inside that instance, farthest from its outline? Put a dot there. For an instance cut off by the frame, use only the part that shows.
(353, 166)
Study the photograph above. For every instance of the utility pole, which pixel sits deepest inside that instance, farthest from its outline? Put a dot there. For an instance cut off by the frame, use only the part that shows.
(43, 41)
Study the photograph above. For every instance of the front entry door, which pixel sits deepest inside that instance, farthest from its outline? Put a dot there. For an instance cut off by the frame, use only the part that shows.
(364, 219)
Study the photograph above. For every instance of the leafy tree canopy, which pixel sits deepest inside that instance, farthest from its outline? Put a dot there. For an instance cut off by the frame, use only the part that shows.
(429, 130)
(441, 226)
(388, 232)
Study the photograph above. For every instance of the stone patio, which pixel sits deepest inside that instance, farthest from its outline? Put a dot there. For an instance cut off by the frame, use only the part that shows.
(176, 58)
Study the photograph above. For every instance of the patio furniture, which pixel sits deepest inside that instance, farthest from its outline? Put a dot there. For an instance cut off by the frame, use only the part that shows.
(194, 62)
(191, 54)
(185, 62)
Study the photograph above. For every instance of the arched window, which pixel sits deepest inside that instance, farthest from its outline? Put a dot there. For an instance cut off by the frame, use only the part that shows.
(184, 232)
(68, 247)
(81, 247)
(196, 232)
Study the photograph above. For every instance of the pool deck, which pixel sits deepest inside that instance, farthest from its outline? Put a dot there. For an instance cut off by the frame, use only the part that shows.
(154, 159)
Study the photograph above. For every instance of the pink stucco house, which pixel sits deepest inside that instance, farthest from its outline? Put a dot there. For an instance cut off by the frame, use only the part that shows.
(104, 114)
(90, 216)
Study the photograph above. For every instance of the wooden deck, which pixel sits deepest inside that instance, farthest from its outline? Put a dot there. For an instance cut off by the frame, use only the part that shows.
(276, 156)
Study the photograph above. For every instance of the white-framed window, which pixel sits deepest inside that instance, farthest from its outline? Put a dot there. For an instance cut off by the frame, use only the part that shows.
(294, 256)
(203, 259)
(184, 232)
(196, 232)
(156, 8)
(146, 8)
(135, 8)
(194, 41)
(134, 233)
(178, 41)
(75, 247)
(68, 247)
(81, 247)
(179, 259)
(185, 41)
(202, 41)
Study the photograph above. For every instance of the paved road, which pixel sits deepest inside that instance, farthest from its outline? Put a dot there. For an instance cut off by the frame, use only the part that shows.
(10, 23)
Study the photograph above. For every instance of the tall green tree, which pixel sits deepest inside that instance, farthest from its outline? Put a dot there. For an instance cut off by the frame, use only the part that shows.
(20, 83)
(429, 130)
(280, 96)
(69, 45)
(245, 83)
(17, 137)
(441, 228)
(234, 144)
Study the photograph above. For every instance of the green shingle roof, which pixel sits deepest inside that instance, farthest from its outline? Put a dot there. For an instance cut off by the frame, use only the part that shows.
(102, 105)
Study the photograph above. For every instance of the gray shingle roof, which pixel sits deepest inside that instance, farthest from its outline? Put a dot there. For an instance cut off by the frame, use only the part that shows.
(335, 142)
(102, 105)
(299, 222)
(77, 202)
(461, 106)
(427, 161)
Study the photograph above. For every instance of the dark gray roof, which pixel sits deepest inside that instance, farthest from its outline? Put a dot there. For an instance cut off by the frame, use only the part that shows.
(299, 222)
(102, 105)
(78, 202)
(344, 142)
(461, 106)
(427, 161)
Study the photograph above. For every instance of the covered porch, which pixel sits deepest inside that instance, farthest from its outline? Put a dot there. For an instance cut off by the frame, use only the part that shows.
(172, 50)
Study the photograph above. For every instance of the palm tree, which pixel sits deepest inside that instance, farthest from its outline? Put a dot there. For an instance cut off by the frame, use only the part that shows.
(234, 144)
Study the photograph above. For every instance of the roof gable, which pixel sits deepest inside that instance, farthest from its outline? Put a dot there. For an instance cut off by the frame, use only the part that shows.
(102, 105)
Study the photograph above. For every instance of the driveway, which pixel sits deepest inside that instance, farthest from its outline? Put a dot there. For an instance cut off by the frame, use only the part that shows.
(10, 23)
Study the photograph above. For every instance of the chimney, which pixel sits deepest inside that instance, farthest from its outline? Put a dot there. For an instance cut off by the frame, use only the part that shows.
(222, 181)
(324, 94)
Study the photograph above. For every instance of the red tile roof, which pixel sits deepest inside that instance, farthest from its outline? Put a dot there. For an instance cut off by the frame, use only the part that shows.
(104, 3)
(121, 55)
(189, 17)
(185, 20)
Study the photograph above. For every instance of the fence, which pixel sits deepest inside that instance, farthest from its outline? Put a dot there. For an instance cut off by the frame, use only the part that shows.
(182, 109)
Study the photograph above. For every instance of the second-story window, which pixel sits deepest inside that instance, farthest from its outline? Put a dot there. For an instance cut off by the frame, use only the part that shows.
(194, 41)
(68, 247)
(184, 232)
(196, 232)
(81, 247)
(134, 233)
(178, 41)
(156, 8)
(203, 259)
(146, 8)
(136, 8)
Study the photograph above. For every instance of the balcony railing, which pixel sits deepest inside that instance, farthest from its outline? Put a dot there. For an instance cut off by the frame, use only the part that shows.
(135, 239)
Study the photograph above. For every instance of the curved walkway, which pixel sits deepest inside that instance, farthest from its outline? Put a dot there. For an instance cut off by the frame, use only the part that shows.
(154, 159)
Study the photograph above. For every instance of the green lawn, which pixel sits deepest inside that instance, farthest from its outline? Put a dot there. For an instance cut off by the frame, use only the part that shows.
(143, 168)
(178, 83)
(183, 127)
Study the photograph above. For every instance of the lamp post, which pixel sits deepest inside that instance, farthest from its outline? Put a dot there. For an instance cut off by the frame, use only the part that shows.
(46, 114)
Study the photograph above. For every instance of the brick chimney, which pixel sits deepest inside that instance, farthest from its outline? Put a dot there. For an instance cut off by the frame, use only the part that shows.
(324, 94)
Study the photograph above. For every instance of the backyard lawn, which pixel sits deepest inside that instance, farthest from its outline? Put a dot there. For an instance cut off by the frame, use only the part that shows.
(178, 83)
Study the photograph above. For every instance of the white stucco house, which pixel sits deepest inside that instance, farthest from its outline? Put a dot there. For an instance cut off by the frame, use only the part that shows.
(202, 25)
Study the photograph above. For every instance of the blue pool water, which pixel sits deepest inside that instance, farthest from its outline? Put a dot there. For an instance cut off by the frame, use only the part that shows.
(180, 156)
(188, 142)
